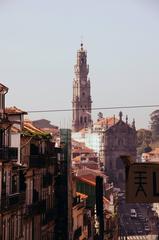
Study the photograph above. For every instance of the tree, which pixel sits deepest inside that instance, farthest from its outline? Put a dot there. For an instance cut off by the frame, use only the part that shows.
(144, 139)
(100, 116)
(155, 125)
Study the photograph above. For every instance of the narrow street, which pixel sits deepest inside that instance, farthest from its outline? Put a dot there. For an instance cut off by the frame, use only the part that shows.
(144, 226)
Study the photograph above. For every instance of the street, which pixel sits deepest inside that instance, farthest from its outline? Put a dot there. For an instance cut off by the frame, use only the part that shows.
(140, 227)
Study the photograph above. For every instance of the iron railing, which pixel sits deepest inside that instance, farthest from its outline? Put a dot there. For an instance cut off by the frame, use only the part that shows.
(35, 208)
(8, 153)
(11, 201)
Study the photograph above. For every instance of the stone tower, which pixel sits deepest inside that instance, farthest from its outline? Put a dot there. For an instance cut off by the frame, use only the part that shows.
(81, 104)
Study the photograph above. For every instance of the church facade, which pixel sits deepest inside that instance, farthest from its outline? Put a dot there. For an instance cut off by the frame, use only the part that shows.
(119, 140)
(81, 103)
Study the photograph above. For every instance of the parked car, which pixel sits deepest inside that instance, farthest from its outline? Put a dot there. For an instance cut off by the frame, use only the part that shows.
(139, 231)
(141, 217)
(133, 213)
(147, 228)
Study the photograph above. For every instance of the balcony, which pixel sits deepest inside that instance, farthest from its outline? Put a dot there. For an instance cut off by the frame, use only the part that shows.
(37, 161)
(36, 208)
(8, 153)
(50, 160)
(11, 201)
(108, 234)
(47, 179)
(50, 215)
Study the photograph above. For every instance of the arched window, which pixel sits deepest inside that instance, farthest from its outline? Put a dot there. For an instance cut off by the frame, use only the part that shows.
(85, 119)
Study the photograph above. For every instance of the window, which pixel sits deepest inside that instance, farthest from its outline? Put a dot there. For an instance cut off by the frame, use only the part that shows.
(81, 120)
(119, 163)
(14, 184)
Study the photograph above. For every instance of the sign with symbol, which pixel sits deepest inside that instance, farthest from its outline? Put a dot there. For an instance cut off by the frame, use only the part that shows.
(142, 182)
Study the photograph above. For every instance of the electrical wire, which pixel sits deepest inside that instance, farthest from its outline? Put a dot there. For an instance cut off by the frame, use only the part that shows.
(93, 109)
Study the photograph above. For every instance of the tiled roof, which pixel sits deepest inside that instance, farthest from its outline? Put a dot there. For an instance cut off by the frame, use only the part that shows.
(82, 151)
(88, 171)
(28, 126)
(86, 180)
(155, 151)
(83, 130)
(15, 129)
(82, 195)
(14, 110)
(52, 130)
(110, 121)
(77, 159)
(91, 165)
(81, 148)
(2, 87)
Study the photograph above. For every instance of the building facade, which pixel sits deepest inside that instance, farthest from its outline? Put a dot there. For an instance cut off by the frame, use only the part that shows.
(118, 140)
(111, 138)
(35, 201)
(81, 103)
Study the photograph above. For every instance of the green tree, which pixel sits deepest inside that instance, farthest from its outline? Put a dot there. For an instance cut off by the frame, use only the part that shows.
(155, 125)
(144, 139)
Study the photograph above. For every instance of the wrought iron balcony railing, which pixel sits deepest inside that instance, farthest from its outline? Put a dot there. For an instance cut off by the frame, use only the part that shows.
(11, 201)
(8, 153)
(35, 208)
(49, 215)
(37, 161)
(47, 179)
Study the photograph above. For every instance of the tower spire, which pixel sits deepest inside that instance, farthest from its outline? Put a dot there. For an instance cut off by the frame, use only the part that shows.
(81, 46)
(81, 43)
(120, 116)
(81, 104)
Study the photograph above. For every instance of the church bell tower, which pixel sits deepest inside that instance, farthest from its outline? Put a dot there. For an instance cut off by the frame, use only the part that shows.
(81, 104)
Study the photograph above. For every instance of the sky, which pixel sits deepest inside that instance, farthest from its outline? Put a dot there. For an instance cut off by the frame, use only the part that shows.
(38, 46)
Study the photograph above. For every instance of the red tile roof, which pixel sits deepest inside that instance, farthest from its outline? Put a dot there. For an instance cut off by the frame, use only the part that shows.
(82, 151)
(79, 147)
(77, 159)
(31, 128)
(2, 87)
(155, 151)
(82, 195)
(90, 179)
(107, 121)
(14, 110)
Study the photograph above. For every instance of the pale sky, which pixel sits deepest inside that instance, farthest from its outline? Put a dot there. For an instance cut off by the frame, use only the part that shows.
(38, 44)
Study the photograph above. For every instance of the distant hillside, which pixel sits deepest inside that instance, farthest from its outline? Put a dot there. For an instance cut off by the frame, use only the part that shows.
(44, 123)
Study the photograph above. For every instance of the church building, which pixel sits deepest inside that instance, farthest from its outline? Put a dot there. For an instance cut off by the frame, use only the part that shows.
(109, 137)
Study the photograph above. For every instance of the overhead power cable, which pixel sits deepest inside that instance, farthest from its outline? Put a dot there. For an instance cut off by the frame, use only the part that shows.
(93, 109)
